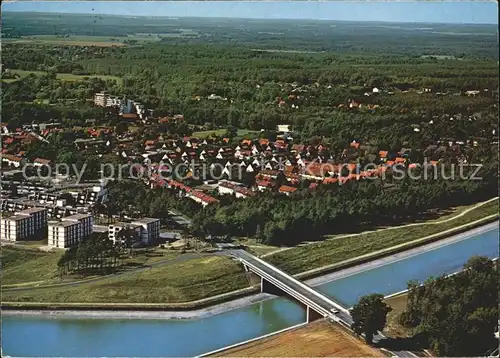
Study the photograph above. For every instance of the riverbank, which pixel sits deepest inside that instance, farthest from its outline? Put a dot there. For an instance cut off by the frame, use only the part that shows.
(152, 311)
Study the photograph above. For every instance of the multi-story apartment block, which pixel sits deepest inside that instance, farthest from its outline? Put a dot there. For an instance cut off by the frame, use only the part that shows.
(100, 99)
(86, 221)
(150, 229)
(115, 228)
(70, 230)
(24, 224)
(38, 217)
(63, 234)
(145, 229)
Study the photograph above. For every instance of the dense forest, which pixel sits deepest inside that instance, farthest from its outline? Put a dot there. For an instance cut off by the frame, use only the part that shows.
(456, 316)
(307, 35)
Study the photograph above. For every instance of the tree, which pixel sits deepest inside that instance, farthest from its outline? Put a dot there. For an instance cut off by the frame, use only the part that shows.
(370, 315)
(454, 311)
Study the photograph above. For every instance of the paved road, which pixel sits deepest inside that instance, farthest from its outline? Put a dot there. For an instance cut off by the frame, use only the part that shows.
(299, 287)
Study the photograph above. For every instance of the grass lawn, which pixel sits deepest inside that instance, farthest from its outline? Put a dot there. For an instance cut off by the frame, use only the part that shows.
(29, 266)
(180, 282)
(23, 265)
(62, 76)
(255, 247)
(329, 252)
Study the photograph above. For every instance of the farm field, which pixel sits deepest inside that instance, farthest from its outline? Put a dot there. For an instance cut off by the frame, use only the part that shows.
(318, 339)
(101, 41)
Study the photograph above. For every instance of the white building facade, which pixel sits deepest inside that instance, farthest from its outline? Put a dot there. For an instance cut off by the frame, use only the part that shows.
(70, 230)
(24, 224)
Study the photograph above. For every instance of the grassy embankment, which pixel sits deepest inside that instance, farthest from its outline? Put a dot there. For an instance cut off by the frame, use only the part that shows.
(28, 266)
(178, 282)
(338, 249)
(60, 76)
(200, 278)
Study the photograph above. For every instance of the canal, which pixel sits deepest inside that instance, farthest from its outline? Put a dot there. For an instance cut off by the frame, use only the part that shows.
(72, 337)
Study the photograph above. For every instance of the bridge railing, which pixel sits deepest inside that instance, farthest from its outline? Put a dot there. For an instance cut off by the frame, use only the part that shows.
(301, 284)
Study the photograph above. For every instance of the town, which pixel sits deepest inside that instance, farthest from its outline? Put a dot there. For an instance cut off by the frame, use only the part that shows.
(245, 167)
(272, 187)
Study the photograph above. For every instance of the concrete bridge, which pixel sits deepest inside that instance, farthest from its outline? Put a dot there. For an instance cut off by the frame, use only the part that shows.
(275, 281)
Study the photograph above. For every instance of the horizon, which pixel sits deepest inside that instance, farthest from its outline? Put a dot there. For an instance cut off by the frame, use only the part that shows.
(456, 13)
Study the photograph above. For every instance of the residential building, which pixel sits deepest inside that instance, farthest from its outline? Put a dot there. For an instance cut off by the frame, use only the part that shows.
(38, 217)
(114, 229)
(70, 230)
(150, 229)
(85, 220)
(24, 224)
(40, 162)
(287, 190)
(63, 234)
(13, 160)
(100, 99)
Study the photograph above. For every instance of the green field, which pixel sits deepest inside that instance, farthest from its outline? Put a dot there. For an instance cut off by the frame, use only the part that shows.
(78, 40)
(335, 250)
(180, 282)
(25, 265)
(61, 76)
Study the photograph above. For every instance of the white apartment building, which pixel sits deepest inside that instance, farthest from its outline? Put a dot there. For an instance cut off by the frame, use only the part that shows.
(146, 229)
(24, 224)
(150, 229)
(37, 215)
(70, 230)
(63, 234)
(86, 222)
(100, 99)
(114, 229)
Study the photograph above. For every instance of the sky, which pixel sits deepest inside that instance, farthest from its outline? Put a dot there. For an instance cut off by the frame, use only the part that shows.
(473, 12)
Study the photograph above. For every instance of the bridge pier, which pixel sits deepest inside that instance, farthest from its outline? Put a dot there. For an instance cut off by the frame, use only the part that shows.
(312, 315)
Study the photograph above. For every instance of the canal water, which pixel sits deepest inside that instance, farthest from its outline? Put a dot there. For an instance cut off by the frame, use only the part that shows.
(71, 337)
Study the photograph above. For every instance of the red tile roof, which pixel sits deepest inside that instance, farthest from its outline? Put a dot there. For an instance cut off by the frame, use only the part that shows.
(287, 189)
(265, 183)
(42, 161)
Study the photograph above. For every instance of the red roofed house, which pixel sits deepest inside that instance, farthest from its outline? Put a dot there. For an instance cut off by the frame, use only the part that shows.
(38, 162)
(13, 160)
(287, 190)
(264, 184)
(202, 198)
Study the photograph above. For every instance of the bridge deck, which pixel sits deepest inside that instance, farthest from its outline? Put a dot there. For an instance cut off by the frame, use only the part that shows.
(300, 289)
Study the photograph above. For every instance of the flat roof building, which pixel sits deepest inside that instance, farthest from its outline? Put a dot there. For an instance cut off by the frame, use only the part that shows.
(25, 224)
